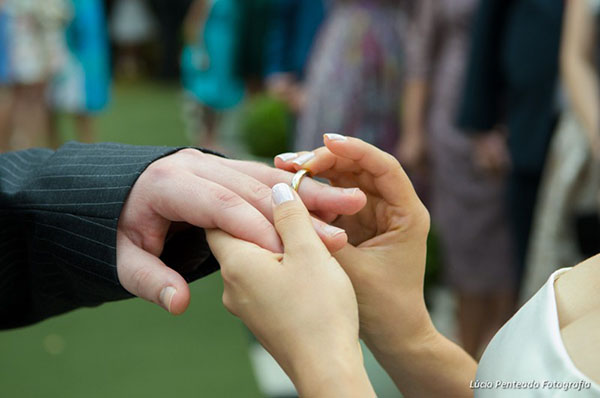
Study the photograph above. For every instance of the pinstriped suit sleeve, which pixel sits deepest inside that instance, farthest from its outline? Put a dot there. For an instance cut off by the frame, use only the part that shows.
(58, 223)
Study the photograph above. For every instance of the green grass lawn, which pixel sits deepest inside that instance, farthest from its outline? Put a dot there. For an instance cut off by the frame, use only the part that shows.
(133, 348)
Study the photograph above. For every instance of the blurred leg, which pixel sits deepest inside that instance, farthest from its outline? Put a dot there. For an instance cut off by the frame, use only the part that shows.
(209, 140)
(6, 111)
(472, 312)
(31, 116)
(501, 306)
(54, 140)
(84, 124)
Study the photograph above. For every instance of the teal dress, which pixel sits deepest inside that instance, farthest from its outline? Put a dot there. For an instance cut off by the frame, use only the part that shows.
(4, 48)
(82, 85)
(209, 65)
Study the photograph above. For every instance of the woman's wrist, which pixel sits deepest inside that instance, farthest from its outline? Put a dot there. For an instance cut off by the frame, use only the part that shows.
(420, 354)
(402, 322)
(328, 373)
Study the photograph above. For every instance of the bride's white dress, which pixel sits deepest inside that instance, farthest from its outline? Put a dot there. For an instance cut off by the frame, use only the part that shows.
(529, 349)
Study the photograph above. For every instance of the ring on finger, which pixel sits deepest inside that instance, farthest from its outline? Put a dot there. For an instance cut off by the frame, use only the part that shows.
(297, 179)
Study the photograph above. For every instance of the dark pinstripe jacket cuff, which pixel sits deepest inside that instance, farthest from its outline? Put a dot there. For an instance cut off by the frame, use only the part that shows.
(59, 213)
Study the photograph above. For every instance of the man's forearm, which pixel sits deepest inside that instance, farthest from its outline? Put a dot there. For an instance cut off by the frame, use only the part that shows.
(58, 222)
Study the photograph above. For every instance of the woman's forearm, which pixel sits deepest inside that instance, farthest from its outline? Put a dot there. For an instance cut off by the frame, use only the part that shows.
(425, 364)
(332, 376)
(578, 66)
(582, 83)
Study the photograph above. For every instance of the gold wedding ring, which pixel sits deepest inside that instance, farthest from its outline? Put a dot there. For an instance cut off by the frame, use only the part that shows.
(297, 179)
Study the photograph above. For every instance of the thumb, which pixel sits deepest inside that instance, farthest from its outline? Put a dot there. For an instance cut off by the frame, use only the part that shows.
(294, 224)
(144, 275)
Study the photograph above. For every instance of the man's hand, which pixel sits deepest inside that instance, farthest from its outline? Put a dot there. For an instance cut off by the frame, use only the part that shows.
(207, 191)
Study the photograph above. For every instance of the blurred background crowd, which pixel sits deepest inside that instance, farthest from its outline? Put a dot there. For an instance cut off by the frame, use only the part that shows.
(492, 107)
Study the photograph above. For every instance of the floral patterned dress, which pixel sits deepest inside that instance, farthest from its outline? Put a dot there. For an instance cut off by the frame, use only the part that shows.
(353, 84)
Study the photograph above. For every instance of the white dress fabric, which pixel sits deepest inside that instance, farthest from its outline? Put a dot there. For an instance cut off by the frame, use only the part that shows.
(529, 350)
(132, 22)
(37, 43)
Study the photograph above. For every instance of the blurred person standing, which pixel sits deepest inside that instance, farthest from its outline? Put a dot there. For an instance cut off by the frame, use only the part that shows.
(170, 16)
(256, 18)
(81, 86)
(291, 37)
(512, 76)
(132, 26)
(38, 50)
(566, 225)
(208, 63)
(354, 78)
(468, 204)
(6, 95)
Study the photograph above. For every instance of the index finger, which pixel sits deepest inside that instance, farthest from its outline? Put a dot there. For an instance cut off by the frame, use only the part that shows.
(317, 197)
(205, 204)
(343, 155)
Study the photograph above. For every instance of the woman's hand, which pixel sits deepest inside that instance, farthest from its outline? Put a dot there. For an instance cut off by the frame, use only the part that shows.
(386, 256)
(299, 304)
(385, 260)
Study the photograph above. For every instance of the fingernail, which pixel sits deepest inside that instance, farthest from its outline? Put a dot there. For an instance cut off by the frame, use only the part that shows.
(349, 191)
(330, 230)
(282, 193)
(286, 157)
(166, 296)
(336, 137)
(304, 158)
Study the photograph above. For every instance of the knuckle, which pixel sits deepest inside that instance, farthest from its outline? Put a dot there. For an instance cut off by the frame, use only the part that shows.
(162, 170)
(141, 282)
(191, 153)
(290, 215)
(232, 266)
(228, 272)
(229, 302)
(426, 219)
(225, 199)
(392, 161)
(421, 219)
(266, 231)
(259, 192)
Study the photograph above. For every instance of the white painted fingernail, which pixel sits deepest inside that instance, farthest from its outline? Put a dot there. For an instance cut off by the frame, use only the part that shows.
(166, 296)
(304, 158)
(282, 193)
(350, 191)
(286, 157)
(336, 137)
(330, 230)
